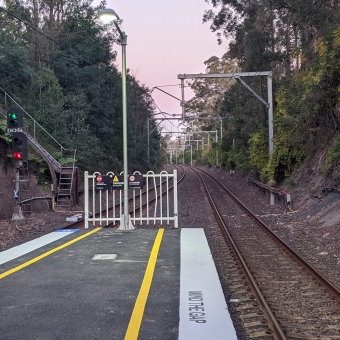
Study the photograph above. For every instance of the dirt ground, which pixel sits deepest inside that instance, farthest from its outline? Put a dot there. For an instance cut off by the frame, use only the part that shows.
(43, 220)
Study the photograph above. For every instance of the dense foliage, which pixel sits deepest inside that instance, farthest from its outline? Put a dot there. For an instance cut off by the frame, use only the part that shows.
(57, 61)
(299, 41)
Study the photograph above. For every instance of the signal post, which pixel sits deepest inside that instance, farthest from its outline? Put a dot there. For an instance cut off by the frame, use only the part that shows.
(15, 126)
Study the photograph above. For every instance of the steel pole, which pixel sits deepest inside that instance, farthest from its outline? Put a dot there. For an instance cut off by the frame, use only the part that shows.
(126, 221)
(270, 114)
(221, 128)
(183, 101)
(216, 149)
(191, 155)
(148, 132)
(110, 16)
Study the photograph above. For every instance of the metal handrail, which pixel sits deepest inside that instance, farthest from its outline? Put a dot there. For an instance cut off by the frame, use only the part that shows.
(34, 122)
(73, 167)
(2, 113)
(47, 154)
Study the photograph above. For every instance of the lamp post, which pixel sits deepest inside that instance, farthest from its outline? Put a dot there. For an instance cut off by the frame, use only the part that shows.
(107, 16)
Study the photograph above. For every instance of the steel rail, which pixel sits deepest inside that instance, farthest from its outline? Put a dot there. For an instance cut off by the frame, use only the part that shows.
(274, 324)
(308, 266)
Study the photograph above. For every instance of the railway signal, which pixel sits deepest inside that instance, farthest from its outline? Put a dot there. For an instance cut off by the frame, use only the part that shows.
(14, 118)
(19, 146)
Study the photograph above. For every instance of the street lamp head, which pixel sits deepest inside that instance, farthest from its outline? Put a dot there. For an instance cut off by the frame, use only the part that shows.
(108, 15)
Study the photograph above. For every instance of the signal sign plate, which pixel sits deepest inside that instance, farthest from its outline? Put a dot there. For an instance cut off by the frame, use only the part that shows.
(118, 182)
(136, 181)
(103, 182)
(12, 130)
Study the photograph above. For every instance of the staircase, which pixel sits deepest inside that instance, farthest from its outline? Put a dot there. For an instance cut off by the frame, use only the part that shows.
(67, 188)
(24, 189)
(64, 178)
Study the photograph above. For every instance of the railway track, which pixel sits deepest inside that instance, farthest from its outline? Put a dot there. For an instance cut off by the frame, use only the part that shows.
(278, 295)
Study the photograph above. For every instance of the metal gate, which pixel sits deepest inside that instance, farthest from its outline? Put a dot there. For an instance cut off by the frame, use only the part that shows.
(164, 208)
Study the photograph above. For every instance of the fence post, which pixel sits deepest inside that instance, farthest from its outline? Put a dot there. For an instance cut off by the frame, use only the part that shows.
(175, 199)
(86, 198)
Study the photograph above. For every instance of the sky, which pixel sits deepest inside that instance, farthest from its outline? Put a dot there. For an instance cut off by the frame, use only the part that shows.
(165, 38)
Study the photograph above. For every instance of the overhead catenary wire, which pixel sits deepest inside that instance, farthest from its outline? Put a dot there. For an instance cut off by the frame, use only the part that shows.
(160, 111)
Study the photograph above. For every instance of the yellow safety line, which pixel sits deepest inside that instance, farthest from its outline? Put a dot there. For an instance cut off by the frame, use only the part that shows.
(28, 263)
(138, 311)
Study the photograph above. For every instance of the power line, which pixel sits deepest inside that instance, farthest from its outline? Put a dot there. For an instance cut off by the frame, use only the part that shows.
(167, 85)
(46, 36)
(21, 60)
(304, 18)
(3, 52)
(238, 67)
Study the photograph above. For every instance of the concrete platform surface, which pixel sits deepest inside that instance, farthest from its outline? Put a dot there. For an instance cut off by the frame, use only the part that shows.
(105, 284)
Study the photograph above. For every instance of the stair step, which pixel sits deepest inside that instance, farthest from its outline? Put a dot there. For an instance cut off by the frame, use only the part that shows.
(67, 171)
(65, 187)
(24, 189)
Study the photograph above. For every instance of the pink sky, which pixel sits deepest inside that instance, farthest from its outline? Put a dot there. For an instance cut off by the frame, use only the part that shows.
(166, 38)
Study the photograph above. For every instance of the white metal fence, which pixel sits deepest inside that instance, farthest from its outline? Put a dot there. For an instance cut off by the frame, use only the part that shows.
(163, 209)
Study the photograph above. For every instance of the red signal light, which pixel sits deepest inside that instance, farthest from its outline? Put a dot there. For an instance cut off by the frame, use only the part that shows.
(19, 146)
(17, 155)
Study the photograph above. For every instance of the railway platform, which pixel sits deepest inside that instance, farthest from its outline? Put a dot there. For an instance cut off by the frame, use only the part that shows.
(109, 284)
